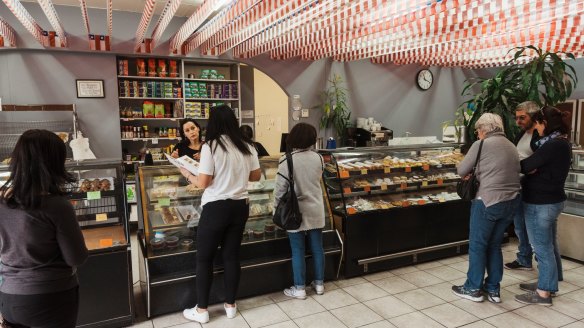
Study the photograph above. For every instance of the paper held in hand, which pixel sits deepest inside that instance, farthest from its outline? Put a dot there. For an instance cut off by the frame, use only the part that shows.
(184, 162)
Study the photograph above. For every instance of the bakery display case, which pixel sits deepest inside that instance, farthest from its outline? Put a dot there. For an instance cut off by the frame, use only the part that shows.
(98, 198)
(170, 213)
(396, 205)
(571, 221)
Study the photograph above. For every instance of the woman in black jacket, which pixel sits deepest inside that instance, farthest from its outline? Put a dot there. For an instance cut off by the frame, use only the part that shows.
(543, 201)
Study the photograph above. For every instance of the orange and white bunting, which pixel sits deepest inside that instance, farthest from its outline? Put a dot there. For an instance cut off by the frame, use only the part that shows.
(193, 23)
(25, 19)
(110, 23)
(83, 7)
(167, 13)
(144, 22)
(7, 32)
(51, 13)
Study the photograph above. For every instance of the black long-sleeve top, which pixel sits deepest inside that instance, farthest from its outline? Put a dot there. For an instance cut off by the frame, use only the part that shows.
(40, 249)
(552, 163)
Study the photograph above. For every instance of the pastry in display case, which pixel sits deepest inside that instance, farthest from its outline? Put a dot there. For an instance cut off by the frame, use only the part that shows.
(571, 220)
(387, 200)
(171, 210)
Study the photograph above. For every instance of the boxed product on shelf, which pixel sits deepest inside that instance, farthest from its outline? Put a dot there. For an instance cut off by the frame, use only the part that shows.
(123, 67)
(172, 68)
(148, 109)
(159, 110)
(151, 67)
(141, 67)
(161, 69)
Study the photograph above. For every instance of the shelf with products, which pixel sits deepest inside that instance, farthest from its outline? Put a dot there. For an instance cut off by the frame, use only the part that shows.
(151, 98)
(129, 119)
(170, 212)
(571, 220)
(149, 139)
(212, 80)
(406, 192)
(153, 78)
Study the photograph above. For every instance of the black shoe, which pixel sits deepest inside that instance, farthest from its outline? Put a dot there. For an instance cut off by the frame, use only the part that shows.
(533, 298)
(516, 266)
(532, 287)
(473, 295)
(493, 297)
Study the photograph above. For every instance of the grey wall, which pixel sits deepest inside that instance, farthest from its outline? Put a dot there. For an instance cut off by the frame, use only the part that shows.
(385, 92)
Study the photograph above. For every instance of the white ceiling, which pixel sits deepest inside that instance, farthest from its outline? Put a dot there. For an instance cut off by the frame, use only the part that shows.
(186, 8)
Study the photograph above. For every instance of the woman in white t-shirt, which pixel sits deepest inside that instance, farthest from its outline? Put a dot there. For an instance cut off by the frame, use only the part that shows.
(228, 162)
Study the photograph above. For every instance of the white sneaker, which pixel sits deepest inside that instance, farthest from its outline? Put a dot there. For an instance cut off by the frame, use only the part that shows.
(318, 289)
(295, 292)
(194, 315)
(231, 312)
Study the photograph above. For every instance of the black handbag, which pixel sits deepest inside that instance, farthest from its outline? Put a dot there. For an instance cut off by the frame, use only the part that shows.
(468, 186)
(287, 215)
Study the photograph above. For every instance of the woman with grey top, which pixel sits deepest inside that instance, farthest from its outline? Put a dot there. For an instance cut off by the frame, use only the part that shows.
(492, 209)
(308, 190)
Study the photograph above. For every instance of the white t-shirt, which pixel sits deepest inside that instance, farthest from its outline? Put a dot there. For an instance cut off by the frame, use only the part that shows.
(524, 146)
(230, 170)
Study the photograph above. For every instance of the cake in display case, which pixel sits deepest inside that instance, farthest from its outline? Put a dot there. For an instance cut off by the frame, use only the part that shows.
(171, 210)
(396, 205)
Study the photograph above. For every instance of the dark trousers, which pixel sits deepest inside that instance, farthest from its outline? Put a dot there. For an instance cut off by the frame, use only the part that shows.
(221, 224)
(53, 310)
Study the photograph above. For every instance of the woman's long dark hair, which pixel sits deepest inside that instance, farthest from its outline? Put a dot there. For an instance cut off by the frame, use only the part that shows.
(37, 168)
(554, 120)
(222, 121)
(181, 130)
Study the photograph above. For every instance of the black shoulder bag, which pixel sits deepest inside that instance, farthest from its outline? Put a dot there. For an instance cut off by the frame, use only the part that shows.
(468, 186)
(287, 215)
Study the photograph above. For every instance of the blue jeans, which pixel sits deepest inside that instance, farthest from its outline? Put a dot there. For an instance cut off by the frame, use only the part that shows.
(542, 227)
(298, 245)
(525, 253)
(487, 227)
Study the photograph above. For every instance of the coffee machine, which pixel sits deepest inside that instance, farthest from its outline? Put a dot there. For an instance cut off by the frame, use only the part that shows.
(366, 138)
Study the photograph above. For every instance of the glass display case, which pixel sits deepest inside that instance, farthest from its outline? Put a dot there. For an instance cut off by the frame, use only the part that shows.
(571, 221)
(396, 205)
(98, 198)
(170, 213)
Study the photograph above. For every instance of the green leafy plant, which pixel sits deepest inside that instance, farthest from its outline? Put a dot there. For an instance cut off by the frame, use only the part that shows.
(532, 74)
(335, 111)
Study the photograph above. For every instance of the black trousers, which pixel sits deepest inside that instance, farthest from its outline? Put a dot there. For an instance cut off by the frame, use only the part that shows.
(53, 310)
(221, 224)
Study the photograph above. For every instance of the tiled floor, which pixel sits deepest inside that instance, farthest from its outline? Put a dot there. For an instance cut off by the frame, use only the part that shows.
(416, 296)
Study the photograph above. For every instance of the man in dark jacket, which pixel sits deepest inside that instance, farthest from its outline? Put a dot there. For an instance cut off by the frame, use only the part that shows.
(525, 143)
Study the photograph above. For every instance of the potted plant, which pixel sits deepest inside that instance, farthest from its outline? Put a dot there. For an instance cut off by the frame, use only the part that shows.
(532, 74)
(335, 111)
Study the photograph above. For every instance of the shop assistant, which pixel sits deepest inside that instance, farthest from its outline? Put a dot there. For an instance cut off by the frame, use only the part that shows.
(190, 143)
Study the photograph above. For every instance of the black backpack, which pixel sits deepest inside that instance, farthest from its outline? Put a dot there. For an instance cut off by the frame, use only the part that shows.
(287, 215)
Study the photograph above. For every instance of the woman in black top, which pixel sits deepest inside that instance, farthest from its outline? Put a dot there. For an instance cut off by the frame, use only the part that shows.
(190, 144)
(543, 201)
(40, 240)
(248, 134)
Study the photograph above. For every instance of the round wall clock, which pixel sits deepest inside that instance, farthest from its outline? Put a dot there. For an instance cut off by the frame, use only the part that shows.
(424, 79)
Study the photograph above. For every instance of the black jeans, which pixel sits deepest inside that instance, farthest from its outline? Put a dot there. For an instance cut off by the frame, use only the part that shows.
(53, 310)
(222, 223)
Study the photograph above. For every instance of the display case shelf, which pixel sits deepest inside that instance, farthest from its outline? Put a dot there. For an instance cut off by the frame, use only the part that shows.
(153, 78)
(149, 98)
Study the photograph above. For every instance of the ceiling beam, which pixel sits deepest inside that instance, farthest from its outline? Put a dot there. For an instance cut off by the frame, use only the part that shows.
(144, 22)
(84, 16)
(7, 32)
(200, 15)
(167, 13)
(110, 24)
(25, 19)
(53, 17)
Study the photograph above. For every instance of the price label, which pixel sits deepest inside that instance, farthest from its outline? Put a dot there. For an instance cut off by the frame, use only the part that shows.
(408, 169)
(387, 169)
(383, 186)
(101, 217)
(384, 206)
(424, 183)
(155, 141)
(107, 242)
(351, 210)
(367, 189)
(426, 167)
(346, 190)
(363, 171)
(440, 181)
(404, 185)
(344, 174)
(164, 202)
(93, 195)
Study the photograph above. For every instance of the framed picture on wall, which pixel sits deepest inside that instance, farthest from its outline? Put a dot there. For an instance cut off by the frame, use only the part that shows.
(90, 89)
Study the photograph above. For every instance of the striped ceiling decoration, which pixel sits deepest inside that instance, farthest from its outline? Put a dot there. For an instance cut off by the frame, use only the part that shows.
(7, 32)
(460, 33)
(25, 19)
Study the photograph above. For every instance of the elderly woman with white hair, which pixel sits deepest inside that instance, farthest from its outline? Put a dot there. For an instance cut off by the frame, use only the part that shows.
(492, 210)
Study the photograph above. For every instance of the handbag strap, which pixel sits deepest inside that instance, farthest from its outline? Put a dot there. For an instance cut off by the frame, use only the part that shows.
(290, 170)
(474, 168)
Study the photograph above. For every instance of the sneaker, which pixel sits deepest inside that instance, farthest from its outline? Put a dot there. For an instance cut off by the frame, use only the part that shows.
(295, 292)
(516, 266)
(493, 297)
(318, 289)
(532, 287)
(473, 295)
(194, 315)
(533, 298)
(231, 312)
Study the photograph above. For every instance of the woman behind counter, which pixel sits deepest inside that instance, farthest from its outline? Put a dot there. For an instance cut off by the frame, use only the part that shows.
(40, 241)
(228, 162)
(247, 132)
(190, 144)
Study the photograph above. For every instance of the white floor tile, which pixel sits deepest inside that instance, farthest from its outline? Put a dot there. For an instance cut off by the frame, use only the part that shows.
(578, 324)
(574, 278)
(452, 260)
(365, 292)
(169, 320)
(479, 324)
(419, 299)
(414, 320)
(335, 299)
(449, 315)
(566, 287)
(285, 324)
(522, 274)
(143, 324)
(319, 320)
(569, 265)
(356, 315)
(575, 295)
(579, 269)
(394, 285)
(253, 302)
(446, 273)
(264, 316)
(422, 279)
(443, 291)
(350, 282)
(380, 324)
(404, 270)
(389, 307)
(428, 265)
(569, 307)
(378, 275)
(481, 310)
(511, 320)
(197, 325)
(300, 308)
(544, 316)
(508, 301)
(460, 266)
(224, 322)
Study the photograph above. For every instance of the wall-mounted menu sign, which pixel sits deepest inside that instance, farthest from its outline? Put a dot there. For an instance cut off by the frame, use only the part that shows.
(90, 89)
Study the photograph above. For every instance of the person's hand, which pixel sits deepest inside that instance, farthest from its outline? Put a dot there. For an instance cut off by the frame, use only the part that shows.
(466, 177)
(197, 156)
(532, 172)
(174, 154)
(185, 173)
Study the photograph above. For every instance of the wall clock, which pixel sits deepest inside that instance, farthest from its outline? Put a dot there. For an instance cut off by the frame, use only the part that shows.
(424, 79)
